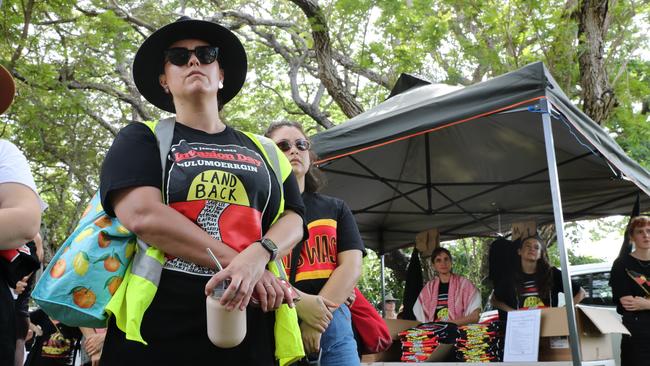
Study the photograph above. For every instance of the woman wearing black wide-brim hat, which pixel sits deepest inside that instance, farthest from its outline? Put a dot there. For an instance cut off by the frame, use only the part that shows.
(218, 190)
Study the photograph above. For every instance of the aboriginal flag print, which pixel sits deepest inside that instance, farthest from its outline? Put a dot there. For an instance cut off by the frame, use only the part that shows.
(640, 279)
(224, 189)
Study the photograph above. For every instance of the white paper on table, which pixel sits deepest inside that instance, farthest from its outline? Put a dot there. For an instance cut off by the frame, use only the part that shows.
(522, 336)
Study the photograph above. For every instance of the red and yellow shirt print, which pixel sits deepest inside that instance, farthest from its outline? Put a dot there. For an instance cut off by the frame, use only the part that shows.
(332, 230)
(319, 252)
(211, 184)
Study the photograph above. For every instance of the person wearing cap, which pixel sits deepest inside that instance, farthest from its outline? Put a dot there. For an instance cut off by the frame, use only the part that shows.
(20, 217)
(219, 192)
(390, 307)
(448, 297)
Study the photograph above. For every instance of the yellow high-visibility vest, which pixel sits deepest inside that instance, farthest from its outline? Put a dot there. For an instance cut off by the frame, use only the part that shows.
(142, 277)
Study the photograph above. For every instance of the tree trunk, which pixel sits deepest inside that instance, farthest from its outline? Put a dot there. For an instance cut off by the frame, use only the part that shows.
(593, 23)
(327, 72)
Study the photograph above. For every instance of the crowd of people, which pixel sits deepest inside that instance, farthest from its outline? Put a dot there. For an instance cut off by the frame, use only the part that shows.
(218, 190)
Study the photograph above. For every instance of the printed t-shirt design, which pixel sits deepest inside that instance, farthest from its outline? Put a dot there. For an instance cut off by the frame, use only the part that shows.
(319, 254)
(530, 296)
(224, 189)
(332, 230)
(442, 306)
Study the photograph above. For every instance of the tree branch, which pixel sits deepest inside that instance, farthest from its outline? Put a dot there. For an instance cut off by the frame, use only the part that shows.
(27, 11)
(102, 122)
(326, 71)
(74, 84)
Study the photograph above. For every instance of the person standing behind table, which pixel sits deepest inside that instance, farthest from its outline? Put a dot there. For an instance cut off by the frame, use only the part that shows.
(533, 284)
(448, 297)
(20, 217)
(219, 192)
(330, 261)
(630, 282)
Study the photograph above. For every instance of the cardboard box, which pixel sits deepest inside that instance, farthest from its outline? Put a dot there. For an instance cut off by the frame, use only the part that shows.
(595, 326)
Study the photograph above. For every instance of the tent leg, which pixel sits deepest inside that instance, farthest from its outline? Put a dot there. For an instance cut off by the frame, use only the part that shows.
(383, 285)
(559, 227)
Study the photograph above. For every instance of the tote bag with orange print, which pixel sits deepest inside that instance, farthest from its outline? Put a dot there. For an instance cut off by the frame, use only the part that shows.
(87, 269)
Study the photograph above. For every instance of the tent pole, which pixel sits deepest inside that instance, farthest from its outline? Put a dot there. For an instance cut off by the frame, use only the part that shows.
(574, 341)
(383, 286)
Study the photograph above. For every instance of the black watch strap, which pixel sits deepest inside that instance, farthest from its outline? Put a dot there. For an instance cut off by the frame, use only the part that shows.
(270, 247)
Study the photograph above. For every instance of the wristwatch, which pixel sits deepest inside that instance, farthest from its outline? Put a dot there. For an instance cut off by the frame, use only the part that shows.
(270, 247)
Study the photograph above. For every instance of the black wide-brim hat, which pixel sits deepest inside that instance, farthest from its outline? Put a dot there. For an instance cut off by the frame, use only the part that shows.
(148, 62)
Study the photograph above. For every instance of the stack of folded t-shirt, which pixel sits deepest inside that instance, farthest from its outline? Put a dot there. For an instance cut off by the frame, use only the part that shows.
(420, 342)
(480, 342)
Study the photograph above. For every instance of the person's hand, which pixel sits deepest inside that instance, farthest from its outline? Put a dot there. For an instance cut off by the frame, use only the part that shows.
(350, 300)
(38, 241)
(21, 285)
(94, 343)
(244, 271)
(271, 292)
(635, 303)
(314, 310)
(94, 359)
(310, 338)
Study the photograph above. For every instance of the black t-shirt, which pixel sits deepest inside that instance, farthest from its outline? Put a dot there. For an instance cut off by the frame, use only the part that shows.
(526, 294)
(57, 346)
(630, 277)
(221, 182)
(332, 230)
(442, 307)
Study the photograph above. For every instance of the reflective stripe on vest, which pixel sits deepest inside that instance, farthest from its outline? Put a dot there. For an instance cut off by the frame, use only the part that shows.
(148, 262)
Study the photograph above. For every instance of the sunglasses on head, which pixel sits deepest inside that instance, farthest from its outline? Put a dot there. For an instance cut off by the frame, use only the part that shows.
(179, 56)
(300, 144)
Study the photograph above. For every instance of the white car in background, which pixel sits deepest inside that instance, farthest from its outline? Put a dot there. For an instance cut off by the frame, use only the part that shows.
(594, 279)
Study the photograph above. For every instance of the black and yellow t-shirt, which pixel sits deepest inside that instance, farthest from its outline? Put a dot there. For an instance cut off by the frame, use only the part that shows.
(332, 230)
(442, 306)
(223, 184)
(529, 297)
(524, 293)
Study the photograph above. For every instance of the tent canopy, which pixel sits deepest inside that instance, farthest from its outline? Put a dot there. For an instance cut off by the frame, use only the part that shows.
(472, 161)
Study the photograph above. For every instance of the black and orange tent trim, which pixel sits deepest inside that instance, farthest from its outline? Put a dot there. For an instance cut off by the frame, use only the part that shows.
(472, 161)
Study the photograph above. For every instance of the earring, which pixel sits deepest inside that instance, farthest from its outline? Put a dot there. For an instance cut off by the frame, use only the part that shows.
(220, 84)
(166, 90)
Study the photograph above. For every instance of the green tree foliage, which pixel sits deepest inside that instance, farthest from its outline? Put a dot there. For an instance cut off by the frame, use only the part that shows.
(370, 285)
(72, 62)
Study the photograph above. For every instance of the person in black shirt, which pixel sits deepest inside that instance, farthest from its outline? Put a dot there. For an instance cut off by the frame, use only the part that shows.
(327, 266)
(630, 282)
(218, 192)
(533, 284)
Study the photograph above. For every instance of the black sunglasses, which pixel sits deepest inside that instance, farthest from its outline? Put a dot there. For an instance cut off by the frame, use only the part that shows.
(300, 144)
(179, 56)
